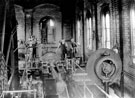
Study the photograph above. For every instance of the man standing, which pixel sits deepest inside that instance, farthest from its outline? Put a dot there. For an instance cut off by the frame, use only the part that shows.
(62, 49)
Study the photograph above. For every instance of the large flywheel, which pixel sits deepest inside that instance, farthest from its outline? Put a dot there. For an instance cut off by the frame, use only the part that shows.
(104, 65)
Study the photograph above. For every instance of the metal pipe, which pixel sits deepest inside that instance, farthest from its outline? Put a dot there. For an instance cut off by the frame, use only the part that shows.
(19, 91)
(9, 46)
(3, 29)
(103, 91)
(67, 92)
(121, 47)
(25, 29)
(83, 39)
(62, 26)
(106, 88)
(32, 22)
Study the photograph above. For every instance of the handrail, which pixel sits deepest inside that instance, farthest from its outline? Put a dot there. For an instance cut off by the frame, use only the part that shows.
(18, 91)
(89, 91)
(103, 91)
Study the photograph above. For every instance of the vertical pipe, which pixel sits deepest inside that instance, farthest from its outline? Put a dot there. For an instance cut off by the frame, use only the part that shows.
(9, 45)
(25, 25)
(106, 88)
(3, 29)
(62, 18)
(83, 23)
(62, 30)
(12, 64)
(9, 48)
(62, 27)
(121, 47)
(32, 22)
(75, 29)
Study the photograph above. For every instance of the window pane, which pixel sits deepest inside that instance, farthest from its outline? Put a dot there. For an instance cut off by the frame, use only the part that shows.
(106, 42)
(107, 21)
(132, 19)
(103, 31)
(108, 30)
(89, 33)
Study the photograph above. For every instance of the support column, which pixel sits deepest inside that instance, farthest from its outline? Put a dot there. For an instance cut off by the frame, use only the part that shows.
(121, 48)
(106, 88)
(83, 33)
(25, 26)
(3, 29)
(32, 22)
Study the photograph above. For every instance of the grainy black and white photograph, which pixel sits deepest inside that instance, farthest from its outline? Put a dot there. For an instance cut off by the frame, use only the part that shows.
(67, 48)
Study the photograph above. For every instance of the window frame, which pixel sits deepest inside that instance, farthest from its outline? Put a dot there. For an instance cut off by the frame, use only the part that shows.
(132, 34)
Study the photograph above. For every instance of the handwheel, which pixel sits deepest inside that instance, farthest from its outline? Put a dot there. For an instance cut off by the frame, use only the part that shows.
(98, 68)
(108, 69)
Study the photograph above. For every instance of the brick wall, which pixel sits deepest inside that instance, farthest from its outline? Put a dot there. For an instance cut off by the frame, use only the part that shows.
(126, 33)
(129, 67)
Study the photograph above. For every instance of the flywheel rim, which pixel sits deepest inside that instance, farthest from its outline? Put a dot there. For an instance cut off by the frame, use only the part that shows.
(115, 71)
(94, 58)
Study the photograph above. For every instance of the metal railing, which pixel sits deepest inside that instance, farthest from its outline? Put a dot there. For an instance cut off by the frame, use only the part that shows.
(17, 93)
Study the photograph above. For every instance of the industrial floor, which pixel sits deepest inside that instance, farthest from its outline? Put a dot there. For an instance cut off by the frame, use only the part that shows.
(81, 86)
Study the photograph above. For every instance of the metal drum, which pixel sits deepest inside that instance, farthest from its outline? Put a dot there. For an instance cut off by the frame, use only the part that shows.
(104, 65)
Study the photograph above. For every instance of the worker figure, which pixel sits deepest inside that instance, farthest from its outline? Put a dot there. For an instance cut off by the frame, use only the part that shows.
(74, 46)
(32, 47)
(62, 48)
(70, 46)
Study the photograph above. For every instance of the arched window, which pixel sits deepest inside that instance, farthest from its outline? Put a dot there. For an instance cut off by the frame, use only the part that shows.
(47, 30)
(132, 26)
(89, 30)
(105, 17)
